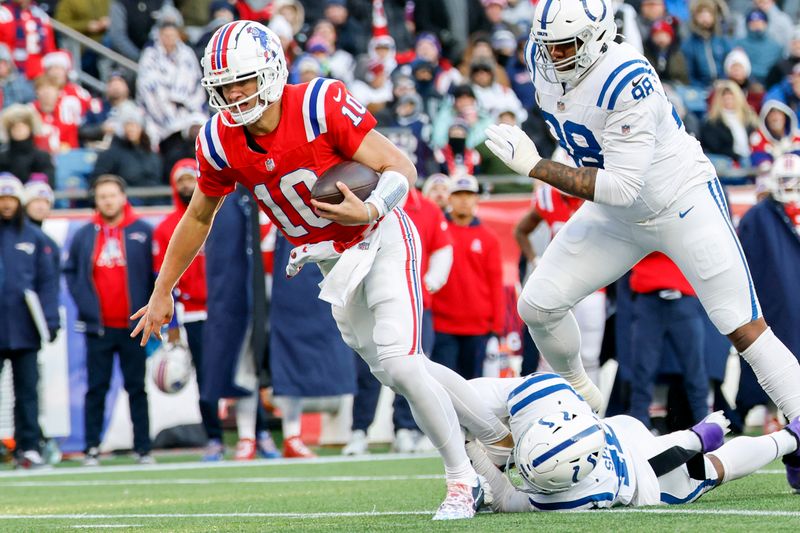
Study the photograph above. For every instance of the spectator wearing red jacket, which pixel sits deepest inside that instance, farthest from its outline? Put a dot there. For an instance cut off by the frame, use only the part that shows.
(190, 296)
(27, 31)
(469, 307)
(666, 312)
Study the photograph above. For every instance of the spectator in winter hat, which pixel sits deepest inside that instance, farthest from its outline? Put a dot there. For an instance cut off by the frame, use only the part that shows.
(762, 49)
(662, 50)
(737, 69)
(20, 156)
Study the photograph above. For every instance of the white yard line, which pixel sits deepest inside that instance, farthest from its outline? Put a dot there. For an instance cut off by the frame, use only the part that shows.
(210, 481)
(168, 467)
(653, 510)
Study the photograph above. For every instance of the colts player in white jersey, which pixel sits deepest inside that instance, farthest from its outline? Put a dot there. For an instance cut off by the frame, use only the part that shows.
(650, 187)
(568, 459)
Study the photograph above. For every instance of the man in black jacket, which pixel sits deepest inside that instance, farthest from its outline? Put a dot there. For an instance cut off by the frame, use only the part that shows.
(28, 312)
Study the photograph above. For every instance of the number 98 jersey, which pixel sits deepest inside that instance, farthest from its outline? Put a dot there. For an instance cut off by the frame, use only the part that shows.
(321, 125)
(618, 118)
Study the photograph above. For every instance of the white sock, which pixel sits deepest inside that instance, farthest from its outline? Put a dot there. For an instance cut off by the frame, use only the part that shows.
(291, 414)
(433, 411)
(688, 440)
(744, 455)
(246, 407)
(777, 371)
(473, 413)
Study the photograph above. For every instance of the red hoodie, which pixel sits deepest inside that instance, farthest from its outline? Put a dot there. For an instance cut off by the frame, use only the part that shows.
(110, 270)
(472, 300)
(191, 288)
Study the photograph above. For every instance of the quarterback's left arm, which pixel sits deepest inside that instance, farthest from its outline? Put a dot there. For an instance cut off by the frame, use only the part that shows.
(397, 175)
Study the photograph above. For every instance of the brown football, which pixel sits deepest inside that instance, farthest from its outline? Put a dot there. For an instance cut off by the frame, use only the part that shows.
(359, 178)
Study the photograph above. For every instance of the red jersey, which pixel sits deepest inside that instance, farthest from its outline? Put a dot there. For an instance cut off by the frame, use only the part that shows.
(28, 34)
(59, 128)
(555, 207)
(433, 235)
(472, 301)
(321, 125)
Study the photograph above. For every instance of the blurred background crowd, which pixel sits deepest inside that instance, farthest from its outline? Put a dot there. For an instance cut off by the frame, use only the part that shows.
(100, 103)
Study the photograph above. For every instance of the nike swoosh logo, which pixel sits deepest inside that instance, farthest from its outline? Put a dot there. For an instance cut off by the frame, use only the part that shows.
(684, 213)
(636, 82)
(338, 97)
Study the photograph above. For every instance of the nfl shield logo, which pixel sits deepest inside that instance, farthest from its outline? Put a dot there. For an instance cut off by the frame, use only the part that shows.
(270, 164)
(561, 106)
(626, 129)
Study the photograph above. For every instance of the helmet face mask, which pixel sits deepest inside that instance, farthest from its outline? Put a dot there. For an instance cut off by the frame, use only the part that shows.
(240, 51)
(584, 26)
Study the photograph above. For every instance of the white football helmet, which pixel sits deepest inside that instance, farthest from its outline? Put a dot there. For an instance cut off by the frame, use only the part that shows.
(587, 24)
(784, 179)
(557, 451)
(171, 367)
(238, 51)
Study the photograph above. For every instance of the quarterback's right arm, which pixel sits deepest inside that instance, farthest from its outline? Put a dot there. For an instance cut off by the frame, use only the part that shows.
(189, 236)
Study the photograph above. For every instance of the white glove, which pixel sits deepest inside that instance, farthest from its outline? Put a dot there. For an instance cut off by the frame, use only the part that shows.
(513, 147)
(309, 253)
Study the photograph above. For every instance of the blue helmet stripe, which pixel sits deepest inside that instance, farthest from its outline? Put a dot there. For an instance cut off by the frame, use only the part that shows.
(566, 444)
(545, 11)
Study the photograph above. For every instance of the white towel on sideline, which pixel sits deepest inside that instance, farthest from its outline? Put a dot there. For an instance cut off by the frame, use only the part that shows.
(350, 270)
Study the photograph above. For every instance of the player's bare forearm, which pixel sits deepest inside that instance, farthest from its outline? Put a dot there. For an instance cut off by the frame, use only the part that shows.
(189, 236)
(575, 181)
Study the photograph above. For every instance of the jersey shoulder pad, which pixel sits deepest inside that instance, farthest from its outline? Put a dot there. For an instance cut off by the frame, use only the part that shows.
(210, 146)
(315, 96)
(624, 79)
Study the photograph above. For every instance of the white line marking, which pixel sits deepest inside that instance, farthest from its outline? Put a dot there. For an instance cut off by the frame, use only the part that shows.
(650, 510)
(213, 481)
(104, 526)
(168, 467)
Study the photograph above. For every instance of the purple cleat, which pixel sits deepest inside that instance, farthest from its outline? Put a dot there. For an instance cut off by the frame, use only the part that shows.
(711, 431)
(792, 460)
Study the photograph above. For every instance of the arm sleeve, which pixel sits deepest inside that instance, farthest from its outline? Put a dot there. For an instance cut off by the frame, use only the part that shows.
(347, 120)
(505, 498)
(629, 145)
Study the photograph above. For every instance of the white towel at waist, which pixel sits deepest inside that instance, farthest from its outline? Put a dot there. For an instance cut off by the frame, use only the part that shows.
(349, 270)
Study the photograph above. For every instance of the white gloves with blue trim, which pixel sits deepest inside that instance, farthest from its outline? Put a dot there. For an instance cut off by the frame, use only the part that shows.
(513, 147)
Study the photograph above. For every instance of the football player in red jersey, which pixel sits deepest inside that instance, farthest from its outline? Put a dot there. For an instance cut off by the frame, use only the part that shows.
(277, 139)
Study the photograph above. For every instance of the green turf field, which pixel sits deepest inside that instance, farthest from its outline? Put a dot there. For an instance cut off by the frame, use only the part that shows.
(388, 494)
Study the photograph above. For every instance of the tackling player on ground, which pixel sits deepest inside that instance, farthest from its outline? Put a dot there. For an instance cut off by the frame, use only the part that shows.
(651, 189)
(277, 139)
(568, 459)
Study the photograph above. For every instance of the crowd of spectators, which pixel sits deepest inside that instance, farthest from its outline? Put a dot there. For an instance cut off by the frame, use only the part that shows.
(435, 73)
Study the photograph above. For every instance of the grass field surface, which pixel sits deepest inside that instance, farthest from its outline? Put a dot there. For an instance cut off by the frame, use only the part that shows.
(384, 493)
